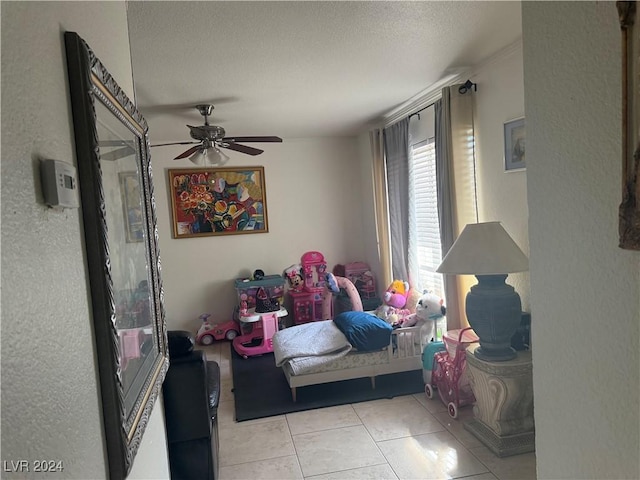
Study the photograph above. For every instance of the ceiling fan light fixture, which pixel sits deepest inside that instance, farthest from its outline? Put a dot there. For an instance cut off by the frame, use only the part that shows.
(211, 156)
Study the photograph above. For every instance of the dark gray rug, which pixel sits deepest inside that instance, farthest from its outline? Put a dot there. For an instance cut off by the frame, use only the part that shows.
(261, 389)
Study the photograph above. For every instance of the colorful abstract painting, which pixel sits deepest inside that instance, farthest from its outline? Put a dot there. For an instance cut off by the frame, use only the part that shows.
(218, 201)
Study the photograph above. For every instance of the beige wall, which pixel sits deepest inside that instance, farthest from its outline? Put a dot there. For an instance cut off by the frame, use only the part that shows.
(50, 399)
(584, 289)
(501, 196)
(313, 203)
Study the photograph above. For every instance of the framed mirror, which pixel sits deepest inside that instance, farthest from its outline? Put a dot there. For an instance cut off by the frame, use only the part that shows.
(121, 241)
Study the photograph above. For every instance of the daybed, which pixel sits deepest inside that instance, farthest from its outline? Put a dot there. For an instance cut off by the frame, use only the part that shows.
(319, 352)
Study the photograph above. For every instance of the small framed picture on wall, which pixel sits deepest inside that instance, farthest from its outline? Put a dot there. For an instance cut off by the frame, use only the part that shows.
(514, 136)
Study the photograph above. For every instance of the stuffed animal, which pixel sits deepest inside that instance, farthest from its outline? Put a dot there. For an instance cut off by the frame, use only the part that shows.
(393, 302)
(412, 299)
(293, 274)
(408, 317)
(396, 294)
(429, 310)
(403, 319)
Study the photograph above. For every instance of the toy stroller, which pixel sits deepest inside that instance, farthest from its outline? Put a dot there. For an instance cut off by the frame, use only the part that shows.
(448, 371)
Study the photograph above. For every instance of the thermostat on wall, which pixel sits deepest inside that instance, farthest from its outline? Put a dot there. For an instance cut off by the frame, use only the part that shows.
(59, 184)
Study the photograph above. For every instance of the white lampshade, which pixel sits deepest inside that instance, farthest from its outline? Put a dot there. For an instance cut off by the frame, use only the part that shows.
(484, 249)
(208, 157)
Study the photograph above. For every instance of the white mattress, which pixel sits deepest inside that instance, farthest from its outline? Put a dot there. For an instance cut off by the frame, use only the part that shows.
(355, 359)
(352, 360)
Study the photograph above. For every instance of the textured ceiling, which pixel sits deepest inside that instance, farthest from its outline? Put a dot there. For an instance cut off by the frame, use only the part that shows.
(302, 69)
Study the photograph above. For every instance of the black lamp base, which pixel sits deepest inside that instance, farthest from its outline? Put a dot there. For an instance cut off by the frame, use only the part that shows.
(494, 311)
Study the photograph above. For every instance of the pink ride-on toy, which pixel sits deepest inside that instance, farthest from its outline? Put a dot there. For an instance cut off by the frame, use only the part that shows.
(448, 371)
(258, 330)
(208, 331)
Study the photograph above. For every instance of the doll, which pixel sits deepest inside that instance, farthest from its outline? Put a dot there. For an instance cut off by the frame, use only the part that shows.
(293, 274)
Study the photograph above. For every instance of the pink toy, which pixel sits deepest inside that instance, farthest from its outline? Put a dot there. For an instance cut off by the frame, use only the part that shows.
(243, 308)
(362, 278)
(396, 294)
(258, 330)
(448, 371)
(313, 268)
(333, 284)
(394, 300)
(130, 341)
(208, 331)
(308, 302)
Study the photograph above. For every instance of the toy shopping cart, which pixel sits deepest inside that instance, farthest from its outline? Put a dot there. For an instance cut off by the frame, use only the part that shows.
(448, 372)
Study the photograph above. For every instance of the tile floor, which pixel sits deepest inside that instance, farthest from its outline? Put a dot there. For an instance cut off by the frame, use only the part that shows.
(409, 437)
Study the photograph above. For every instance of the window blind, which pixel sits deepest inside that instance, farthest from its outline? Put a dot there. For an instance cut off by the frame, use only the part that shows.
(425, 249)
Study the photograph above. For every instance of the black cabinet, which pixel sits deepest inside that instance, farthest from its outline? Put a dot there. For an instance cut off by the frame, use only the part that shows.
(191, 392)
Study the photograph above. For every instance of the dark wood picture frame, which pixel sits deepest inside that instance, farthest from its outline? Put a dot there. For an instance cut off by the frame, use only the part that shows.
(125, 283)
(629, 211)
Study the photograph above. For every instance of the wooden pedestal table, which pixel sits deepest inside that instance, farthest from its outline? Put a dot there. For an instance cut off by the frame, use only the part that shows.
(504, 403)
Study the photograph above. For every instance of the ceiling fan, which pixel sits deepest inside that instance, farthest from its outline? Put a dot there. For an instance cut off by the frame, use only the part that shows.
(210, 138)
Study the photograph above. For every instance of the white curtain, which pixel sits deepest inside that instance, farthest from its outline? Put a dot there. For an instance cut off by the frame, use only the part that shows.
(381, 210)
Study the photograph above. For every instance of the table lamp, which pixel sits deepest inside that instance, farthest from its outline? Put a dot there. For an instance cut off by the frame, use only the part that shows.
(493, 308)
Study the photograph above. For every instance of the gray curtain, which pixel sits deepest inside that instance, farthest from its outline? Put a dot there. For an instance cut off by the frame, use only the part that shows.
(396, 147)
(455, 168)
(444, 173)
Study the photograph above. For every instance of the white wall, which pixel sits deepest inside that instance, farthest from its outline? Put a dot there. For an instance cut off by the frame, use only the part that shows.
(501, 196)
(50, 400)
(151, 462)
(584, 289)
(313, 203)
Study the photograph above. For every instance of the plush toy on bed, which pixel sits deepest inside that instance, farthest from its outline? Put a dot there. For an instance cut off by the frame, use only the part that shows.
(393, 302)
(429, 310)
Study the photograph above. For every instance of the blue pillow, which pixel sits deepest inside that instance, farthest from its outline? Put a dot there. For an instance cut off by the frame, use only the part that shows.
(364, 331)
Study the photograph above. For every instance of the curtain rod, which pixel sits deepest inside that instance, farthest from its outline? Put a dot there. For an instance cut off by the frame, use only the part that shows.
(417, 112)
(462, 89)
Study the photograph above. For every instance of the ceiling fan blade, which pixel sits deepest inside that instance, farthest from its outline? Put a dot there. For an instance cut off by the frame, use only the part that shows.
(189, 152)
(252, 139)
(173, 143)
(241, 148)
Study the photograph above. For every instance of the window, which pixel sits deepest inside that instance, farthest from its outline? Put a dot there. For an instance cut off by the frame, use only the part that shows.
(414, 229)
(425, 249)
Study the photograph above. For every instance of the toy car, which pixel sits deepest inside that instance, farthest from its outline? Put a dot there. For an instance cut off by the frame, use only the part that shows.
(208, 331)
